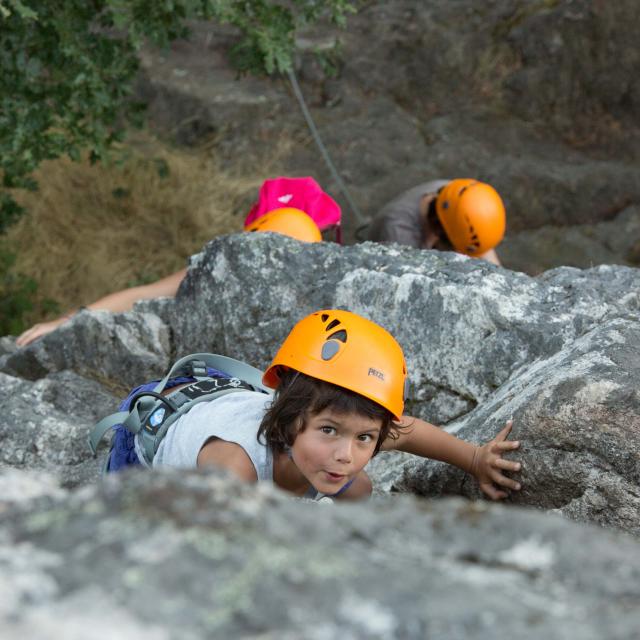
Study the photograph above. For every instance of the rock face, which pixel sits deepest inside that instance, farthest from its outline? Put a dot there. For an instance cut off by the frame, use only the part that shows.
(199, 556)
(44, 424)
(615, 241)
(541, 99)
(102, 346)
(577, 415)
(166, 555)
(559, 354)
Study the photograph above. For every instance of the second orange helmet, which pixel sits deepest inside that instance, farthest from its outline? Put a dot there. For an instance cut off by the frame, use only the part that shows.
(472, 215)
(289, 222)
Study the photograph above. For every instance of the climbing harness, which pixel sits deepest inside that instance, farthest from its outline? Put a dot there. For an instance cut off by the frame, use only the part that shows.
(151, 413)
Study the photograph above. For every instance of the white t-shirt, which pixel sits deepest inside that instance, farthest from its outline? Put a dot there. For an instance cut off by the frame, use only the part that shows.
(234, 417)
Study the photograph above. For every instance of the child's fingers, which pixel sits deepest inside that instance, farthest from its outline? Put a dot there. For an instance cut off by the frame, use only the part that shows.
(506, 445)
(505, 432)
(507, 465)
(503, 481)
(492, 492)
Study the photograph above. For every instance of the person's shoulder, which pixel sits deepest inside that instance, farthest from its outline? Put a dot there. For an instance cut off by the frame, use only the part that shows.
(228, 455)
(242, 406)
(419, 190)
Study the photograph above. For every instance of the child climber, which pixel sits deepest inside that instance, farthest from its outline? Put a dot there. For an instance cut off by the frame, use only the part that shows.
(339, 383)
(461, 215)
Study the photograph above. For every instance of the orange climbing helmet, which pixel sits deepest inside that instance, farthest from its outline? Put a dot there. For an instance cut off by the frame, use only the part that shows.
(472, 215)
(288, 222)
(349, 351)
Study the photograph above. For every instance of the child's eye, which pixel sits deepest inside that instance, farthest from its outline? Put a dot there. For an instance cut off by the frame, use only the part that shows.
(328, 430)
(365, 437)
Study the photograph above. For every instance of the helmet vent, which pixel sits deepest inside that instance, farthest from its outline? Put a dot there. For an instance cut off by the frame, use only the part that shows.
(332, 324)
(474, 243)
(465, 187)
(339, 335)
(325, 317)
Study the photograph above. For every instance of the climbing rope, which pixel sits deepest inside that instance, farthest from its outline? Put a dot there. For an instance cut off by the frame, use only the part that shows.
(362, 222)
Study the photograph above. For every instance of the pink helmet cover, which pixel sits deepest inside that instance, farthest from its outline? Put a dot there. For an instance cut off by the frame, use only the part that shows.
(299, 193)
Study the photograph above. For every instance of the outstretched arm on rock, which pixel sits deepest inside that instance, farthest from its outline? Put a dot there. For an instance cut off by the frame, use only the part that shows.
(119, 301)
(484, 462)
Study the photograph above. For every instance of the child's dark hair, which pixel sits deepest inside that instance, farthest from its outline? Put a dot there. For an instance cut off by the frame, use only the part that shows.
(444, 244)
(299, 396)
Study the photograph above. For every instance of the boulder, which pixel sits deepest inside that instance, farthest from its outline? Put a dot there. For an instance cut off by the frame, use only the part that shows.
(44, 425)
(465, 325)
(615, 241)
(577, 415)
(99, 345)
(161, 555)
(557, 353)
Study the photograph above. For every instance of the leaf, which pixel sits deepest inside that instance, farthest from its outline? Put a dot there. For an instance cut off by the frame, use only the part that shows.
(26, 13)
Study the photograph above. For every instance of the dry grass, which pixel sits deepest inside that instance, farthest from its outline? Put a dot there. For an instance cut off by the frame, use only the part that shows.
(91, 230)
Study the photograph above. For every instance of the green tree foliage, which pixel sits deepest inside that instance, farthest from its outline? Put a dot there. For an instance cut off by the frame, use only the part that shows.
(68, 67)
(17, 293)
(67, 71)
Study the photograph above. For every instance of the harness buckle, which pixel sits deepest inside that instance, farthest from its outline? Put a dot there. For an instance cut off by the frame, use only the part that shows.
(198, 368)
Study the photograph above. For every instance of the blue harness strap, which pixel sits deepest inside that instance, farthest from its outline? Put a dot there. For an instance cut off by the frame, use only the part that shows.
(342, 489)
(123, 450)
(313, 494)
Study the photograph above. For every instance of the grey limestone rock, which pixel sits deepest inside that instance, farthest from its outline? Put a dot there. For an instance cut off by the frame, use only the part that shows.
(175, 555)
(44, 425)
(465, 325)
(98, 345)
(576, 413)
(557, 353)
(188, 555)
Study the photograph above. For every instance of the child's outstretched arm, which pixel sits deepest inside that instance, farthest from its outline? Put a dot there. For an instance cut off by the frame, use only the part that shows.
(484, 462)
(122, 300)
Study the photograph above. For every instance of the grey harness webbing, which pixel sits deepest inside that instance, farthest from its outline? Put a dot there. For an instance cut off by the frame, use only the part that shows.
(152, 413)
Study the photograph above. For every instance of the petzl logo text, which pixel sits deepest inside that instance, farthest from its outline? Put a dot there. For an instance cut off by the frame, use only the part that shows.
(376, 373)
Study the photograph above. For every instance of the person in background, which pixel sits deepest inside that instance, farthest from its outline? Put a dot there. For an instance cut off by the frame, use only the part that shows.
(461, 215)
(288, 222)
(300, 193)
(296, 207)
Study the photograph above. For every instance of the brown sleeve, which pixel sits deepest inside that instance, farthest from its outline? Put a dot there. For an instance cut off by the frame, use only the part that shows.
(398, 226)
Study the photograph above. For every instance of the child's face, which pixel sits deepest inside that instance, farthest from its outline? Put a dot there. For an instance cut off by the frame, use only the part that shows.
(334, 447)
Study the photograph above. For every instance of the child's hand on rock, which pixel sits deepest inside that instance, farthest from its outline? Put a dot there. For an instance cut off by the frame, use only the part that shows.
(488, 465)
